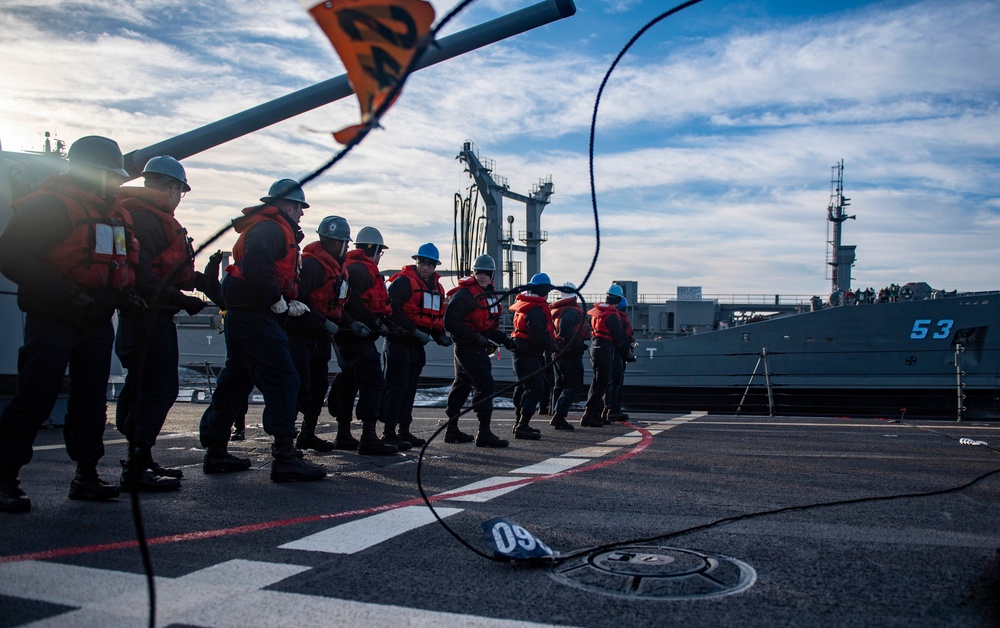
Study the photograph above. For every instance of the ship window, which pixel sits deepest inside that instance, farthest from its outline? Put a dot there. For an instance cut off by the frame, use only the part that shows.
(746, 337)
(786, 337)
(810, 339)
(670, 321)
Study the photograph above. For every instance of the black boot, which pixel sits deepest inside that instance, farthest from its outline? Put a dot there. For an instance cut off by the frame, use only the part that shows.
(287, 467)
(86, 486)
(219, 460)
(486, 438)
(454, 435)
(162, 471)
(523, 431)
(560, 423)
(307, 437)
(591, 420)
(12, 498)
(137, 474)
(389, 436)
(370, 444)
(404, 434)
(606, 416)
(517, 421)
(345, 440)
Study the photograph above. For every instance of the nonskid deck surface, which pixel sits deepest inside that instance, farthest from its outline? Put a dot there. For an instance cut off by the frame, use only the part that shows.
(360, 547)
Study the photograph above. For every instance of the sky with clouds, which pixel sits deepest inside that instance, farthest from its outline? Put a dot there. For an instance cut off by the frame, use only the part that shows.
(713, 152)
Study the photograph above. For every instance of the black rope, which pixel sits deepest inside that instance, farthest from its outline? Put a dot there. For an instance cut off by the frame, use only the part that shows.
(371, 124)
(577, 291)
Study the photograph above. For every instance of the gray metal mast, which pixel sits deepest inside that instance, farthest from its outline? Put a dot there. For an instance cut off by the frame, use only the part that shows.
(841, 258)
(261, 116)
(493, 188)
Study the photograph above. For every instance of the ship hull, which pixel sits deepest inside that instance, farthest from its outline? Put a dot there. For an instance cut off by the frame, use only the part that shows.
(864, 360)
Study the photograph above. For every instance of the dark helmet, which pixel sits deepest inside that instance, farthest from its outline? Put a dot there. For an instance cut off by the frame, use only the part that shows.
(168, 166)
(285, 189)
(485, 262)
(335, 228)
(370, 235)
(428, 251)
(98, 152)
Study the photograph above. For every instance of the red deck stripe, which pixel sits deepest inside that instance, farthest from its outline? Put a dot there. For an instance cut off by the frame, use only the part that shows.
(647, 438)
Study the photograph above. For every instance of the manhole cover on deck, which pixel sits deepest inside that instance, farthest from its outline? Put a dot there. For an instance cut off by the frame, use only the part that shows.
(656, 573)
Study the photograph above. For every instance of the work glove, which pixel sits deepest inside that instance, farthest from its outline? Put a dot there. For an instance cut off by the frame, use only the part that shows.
(330, 327)
(360, 329)
(509, 343)
(192, 305)
(280, 306)
(445, 341)
(381, 327)
(132, 303)
(424, 338)
(297, 308)
(630, 357)
(483, 342)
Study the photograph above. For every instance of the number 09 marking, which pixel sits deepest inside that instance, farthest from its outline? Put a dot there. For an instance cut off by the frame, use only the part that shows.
(508, 537)
(922, 326)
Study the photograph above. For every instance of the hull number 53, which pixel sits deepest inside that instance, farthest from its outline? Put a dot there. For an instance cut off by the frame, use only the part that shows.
(923, 326)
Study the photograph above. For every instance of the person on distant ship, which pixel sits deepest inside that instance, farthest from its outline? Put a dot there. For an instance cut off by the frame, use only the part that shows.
(609, 336)
(70, 249)
(260, 289)
(418, 302)
(360, 364)
(323, 286)
(472, 317)
(572, 334)
(146, 343)
(534, 335)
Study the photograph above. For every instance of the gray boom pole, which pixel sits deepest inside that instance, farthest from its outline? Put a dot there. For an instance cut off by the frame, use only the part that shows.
(290, 105)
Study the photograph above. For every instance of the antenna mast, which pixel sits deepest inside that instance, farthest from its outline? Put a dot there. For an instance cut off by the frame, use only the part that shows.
(839, 257)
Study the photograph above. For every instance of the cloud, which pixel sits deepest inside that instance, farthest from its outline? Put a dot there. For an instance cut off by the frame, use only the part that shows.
(713, 149)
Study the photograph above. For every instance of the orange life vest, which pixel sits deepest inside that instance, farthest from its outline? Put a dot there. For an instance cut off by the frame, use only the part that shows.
(486, 315)
(524, 303)
(425, 307)
(329, 298)
(286, 269)
(599, 315)
(375, 298)
(626, 326)
(562, 306)
(178, 254)
(101, 251)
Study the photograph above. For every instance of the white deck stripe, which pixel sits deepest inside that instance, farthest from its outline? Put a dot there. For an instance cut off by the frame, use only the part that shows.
(358, 535)
(591, 452)
(620, 441)
(484, 496)
(228, 594)
(552, 465)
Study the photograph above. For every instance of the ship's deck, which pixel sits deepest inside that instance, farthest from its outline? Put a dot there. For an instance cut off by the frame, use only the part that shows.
(358, 548)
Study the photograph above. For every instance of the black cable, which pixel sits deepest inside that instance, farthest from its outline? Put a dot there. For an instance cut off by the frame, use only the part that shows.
(593, 264)
(372, 123)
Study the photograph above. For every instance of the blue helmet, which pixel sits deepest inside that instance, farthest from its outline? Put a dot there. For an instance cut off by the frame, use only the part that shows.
(428, 251)
(540, 279)
(623, 303)
(616, 291)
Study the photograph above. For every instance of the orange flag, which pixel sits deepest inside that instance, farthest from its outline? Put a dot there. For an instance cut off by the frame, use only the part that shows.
(376, 40)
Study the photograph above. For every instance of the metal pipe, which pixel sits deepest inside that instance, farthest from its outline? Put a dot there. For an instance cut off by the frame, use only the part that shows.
(290, 105)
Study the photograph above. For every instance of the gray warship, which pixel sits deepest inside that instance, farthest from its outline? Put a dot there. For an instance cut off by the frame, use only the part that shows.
(916, 352)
